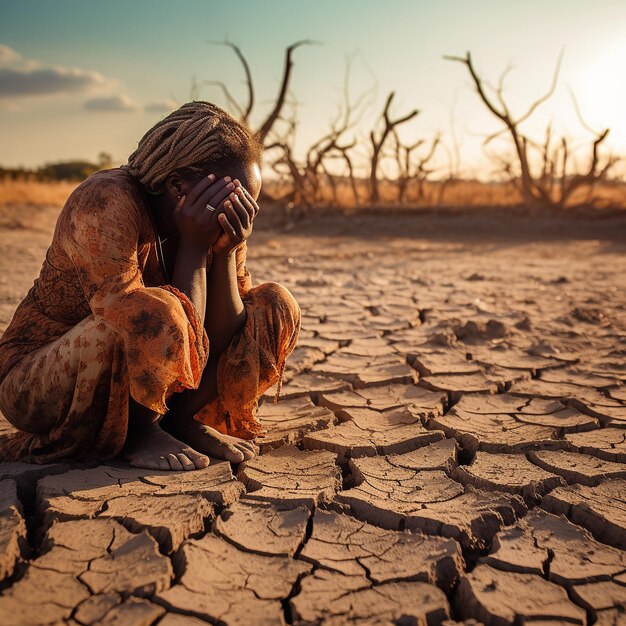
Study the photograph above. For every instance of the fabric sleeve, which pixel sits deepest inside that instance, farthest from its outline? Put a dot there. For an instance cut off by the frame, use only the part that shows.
(244, 279)
(166, 346)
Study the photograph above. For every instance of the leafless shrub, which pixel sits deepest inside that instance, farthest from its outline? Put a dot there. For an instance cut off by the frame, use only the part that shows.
(553, 185)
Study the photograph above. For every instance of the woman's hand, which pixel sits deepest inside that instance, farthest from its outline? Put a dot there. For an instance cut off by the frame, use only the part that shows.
(240, 209)
(197, 225)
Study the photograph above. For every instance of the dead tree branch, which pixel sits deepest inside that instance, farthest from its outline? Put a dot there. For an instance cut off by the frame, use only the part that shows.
(244, 112)
(389, 125)
(554, 186)
(410, 172)
(274, 114)
(230, 99)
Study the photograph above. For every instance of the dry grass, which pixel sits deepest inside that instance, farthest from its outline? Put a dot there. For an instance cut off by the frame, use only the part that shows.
(34, 193)
(455, 193)
(452, 193)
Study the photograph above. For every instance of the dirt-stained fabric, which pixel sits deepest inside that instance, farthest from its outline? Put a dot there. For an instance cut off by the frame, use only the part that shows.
(100, 324)
(254, 360)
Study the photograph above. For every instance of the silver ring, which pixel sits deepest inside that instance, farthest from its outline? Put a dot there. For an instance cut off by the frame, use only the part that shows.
(210, 208)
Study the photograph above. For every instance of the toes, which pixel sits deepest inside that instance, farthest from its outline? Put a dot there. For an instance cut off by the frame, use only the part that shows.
(174, 463)
(199, 460)
(248, 453)
(163, 464)
(242, 443)
(254, 448)
(236, 455)
(185, 461)
(229, 452)
(248, 448)
(239, 442)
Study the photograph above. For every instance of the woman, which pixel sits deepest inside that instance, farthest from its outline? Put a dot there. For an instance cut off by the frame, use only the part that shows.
(143, 334)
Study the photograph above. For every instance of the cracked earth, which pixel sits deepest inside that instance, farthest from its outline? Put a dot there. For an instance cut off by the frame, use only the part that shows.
(449, 448)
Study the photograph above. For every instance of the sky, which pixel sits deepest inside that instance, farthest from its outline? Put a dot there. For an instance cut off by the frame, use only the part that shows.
(78, 77)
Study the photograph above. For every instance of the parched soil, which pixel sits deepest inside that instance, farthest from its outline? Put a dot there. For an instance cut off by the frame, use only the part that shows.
(449, 447)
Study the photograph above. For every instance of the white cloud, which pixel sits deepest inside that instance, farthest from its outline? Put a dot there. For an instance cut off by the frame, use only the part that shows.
(20, 77)
(115, 104)
(162, 106)
(8, 56)
(16, 83)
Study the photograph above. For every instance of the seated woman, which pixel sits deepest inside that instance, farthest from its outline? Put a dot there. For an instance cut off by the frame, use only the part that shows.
(143, 334)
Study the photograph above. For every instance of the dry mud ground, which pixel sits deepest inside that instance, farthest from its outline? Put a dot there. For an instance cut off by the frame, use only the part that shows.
(450, 446)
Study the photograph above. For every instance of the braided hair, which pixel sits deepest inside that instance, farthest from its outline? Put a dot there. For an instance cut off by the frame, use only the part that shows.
(191, 140)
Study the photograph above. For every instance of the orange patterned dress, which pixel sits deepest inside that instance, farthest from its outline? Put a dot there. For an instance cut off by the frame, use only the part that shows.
(100, 324)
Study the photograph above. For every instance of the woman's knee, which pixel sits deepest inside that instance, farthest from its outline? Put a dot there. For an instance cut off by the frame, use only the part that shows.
(278, 297)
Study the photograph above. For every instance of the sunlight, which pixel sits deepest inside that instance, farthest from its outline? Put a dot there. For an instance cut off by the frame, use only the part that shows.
(600, 88)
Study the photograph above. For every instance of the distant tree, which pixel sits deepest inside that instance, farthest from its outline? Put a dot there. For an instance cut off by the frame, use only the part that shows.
(16, 173)
(68, 170)
(554, 184)
(105, 160)
(408, 171)
(378, 141)
(244, 111)
(309, 175)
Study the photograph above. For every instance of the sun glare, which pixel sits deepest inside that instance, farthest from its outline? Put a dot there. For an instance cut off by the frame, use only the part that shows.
(600, 88)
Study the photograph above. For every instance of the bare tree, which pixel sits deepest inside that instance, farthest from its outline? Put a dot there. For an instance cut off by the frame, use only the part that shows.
(332, 145)
(314, 174)
(453, 155)
(343, 153)
(244, 111)
(389, 125)
(410, 171)
(552, 186)
(285, 165)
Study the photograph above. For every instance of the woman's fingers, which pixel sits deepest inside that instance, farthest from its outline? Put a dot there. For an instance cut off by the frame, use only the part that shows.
(251, 200)
(246, 197)
(220, 195)
(201, 186)
(179, 205)
(245, 202)
(215, 195)
(227, 226)
(234, 219)
(209, 191)
(244, 216)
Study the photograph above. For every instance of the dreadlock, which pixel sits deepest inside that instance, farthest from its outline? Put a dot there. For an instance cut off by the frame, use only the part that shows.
(193, 139)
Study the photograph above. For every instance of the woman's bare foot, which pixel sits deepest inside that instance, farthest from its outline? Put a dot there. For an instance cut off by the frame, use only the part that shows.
(153, 448)
(208, 440)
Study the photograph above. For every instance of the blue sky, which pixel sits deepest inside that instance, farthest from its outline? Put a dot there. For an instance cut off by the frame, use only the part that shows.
(135, 55)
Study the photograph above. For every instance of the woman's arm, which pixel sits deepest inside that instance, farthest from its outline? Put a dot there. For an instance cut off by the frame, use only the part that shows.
(190, 276)
(198, 229)
(225, 313)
